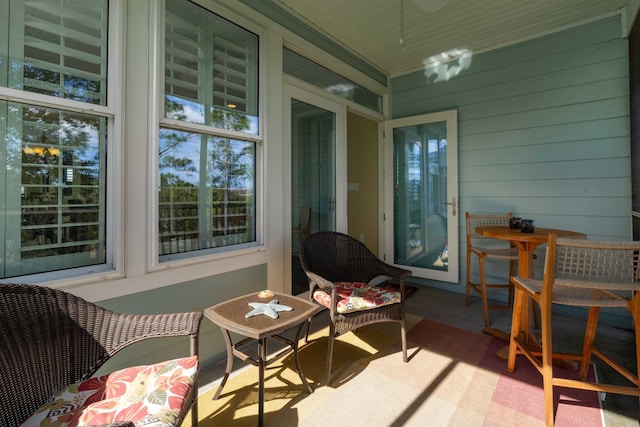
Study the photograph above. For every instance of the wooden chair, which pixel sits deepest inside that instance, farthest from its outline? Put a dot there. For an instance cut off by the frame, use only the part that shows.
(338, 265)
(578, 273)
(50, 340)
(304, 224)
(476, 245)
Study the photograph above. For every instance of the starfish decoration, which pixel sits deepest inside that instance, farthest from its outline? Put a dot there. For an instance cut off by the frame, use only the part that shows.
(271, 309)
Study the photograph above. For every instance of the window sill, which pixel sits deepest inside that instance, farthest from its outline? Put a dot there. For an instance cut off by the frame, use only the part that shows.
(106, 284)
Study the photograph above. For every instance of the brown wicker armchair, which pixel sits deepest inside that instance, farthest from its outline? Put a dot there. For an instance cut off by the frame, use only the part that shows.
(50, 339)
(331, 259)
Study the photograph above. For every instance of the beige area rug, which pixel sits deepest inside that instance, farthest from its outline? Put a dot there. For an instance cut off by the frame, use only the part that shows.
(452, 379)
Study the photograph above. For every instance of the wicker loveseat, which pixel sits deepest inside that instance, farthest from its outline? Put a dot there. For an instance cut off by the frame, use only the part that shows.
(50, 339)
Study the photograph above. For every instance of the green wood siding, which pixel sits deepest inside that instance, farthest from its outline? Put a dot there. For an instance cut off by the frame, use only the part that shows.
(195, 295)
(543, 130)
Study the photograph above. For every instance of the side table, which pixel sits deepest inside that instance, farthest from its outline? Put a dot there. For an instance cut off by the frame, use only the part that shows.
(230, 317)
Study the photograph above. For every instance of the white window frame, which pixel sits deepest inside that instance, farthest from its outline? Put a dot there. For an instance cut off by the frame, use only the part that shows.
(232, 257)
(114, 214)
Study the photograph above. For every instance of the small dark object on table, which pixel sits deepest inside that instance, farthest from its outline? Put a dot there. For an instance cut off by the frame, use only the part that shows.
(514, 223)
(526, 226)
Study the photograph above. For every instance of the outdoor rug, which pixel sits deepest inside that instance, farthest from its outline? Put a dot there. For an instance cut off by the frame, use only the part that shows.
(453, 378)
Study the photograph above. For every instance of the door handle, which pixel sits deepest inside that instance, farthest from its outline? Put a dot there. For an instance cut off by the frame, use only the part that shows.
(453, 205)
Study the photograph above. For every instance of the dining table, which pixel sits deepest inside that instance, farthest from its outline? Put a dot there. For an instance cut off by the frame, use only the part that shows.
(526, 243)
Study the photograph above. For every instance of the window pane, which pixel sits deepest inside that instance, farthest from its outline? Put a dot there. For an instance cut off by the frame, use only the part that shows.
(52, 160)
(211, 69)
(311, 72)
(59, 48)
(207, 192)
(420, 195)
(59, 222)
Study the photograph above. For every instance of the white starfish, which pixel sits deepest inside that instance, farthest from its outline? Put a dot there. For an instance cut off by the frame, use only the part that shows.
(271, 309)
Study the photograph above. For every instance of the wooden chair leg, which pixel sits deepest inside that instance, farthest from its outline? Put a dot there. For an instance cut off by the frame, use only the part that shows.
(535, 312)
(483, 289)
(516, 322)
(512, 272)
(634, 308)
(468, 288)
(547, 365)
(589, 337)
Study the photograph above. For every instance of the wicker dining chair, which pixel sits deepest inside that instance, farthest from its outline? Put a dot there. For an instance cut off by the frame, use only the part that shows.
(339, 269)
(50, 339)
(579, 273)
(477, 245)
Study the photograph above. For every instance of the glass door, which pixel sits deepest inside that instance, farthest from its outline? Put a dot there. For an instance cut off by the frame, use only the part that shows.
(422, 218)
(312, 170)
(318, 171)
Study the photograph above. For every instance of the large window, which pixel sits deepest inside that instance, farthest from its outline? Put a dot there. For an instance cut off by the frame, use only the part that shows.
(208, 135)
(53, 135)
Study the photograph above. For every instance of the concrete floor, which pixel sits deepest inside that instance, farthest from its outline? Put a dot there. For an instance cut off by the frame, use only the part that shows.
(448, 307)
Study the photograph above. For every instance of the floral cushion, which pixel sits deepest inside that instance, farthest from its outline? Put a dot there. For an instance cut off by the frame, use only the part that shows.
(356, 296)
(146, 395)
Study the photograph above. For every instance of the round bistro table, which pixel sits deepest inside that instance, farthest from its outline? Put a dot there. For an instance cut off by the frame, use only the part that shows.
(526, 242)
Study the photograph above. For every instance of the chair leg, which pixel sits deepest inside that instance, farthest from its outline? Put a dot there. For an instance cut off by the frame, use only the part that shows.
(403, 337)
(634, 308)
(516, 322)
(547, 364)
(306, 334)
(483, 288)
(589, 337)
(512, 272)
(194, 412)
(332, 333)
(468, 290)
(535, 312)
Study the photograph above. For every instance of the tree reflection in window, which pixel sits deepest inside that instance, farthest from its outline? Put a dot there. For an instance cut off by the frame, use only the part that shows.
(207, 187)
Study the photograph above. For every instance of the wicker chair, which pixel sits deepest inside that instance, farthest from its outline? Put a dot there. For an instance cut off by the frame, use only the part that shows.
(487, 252)
(580, 273)
(50, 339)
(331, 260)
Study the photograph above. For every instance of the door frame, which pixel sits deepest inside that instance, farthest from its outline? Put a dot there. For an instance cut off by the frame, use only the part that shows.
(293, 89)
(453, 212)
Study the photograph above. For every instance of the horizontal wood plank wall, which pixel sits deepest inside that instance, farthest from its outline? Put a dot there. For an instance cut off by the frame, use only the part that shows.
(195, 295)
(543, 129)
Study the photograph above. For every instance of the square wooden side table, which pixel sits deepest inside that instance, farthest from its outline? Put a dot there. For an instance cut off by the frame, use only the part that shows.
(230, 317)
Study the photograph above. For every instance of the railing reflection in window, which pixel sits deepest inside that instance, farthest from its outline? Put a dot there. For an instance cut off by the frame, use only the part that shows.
(206, 197)
(231, 224)
(61, 196)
